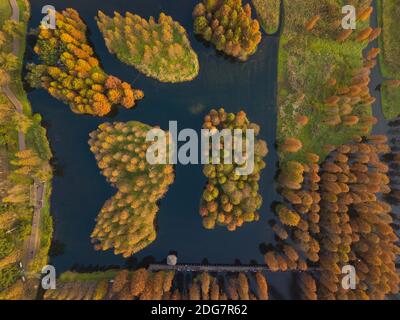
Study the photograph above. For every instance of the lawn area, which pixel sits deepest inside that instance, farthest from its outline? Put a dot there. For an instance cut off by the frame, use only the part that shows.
(388, 18)
(5, 10)
(390, 101)
(268, 12)
(312, 67)
(70, 276)
(18, 86)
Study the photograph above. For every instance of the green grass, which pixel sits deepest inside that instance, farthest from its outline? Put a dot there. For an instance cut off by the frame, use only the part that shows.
(306, 61)
(5, 10)
(389, 43)
(18, 86)
(388, 17)
(268, 12)
(84, 277)
(390, 101)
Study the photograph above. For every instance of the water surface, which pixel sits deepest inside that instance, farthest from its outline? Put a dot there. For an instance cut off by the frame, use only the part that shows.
(79, 190)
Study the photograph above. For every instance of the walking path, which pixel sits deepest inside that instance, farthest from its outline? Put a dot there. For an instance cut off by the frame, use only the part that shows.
(17, 104)
(6, 89)
(216, 268)
(33, 244)
(34, 240)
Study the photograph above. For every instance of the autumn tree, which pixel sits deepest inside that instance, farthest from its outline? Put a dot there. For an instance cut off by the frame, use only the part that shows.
(262, 286)
(70, 72)
(231, 199)
(138, 281)
(160, 49)
(229, 26)
(126, 221)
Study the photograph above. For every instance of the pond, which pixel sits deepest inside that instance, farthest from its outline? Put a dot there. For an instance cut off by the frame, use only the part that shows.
(79, 190)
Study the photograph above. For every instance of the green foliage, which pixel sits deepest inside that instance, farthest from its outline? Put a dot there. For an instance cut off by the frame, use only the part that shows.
(158, 49)
(388, 17)
(390, 101)
(229, 26)
(5, 11)
(93, 276)
(70, 72)
(50, 51)
(8, 276)
(8, 62)
(230, 199)
(126, 221)
(36, 137)
(35, 74)
(388, 13)
(6, 245)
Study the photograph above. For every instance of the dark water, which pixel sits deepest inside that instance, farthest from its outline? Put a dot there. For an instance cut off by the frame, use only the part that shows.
(79, 190)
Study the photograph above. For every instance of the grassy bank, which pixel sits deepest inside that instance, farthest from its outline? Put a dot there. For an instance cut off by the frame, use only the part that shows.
(388, 19)
(312, 67)
(268, 13)
(390, 101)
(70, 276)
(5, 10)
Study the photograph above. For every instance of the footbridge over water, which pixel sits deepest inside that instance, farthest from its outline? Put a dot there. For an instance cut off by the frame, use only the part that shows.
(188, 267)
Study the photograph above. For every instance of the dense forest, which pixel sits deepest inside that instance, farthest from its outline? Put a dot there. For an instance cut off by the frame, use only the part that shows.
(126, 222)
(160, 49)
(231, 199)
(335, 216)
(229, 26)
(143, 284)
(70, 72)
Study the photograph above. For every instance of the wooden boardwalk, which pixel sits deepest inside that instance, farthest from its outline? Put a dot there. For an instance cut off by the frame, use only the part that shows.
(187, 267)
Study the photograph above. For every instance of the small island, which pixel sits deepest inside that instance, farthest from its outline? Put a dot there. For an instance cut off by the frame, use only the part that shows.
(230, 199)
(229, 26)
(268, 12)
(126, 221)
(159, 49)
(70, 72)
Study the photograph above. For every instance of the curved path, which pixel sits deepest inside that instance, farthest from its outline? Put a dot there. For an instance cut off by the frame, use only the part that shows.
(33, 244)
(6, 89)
